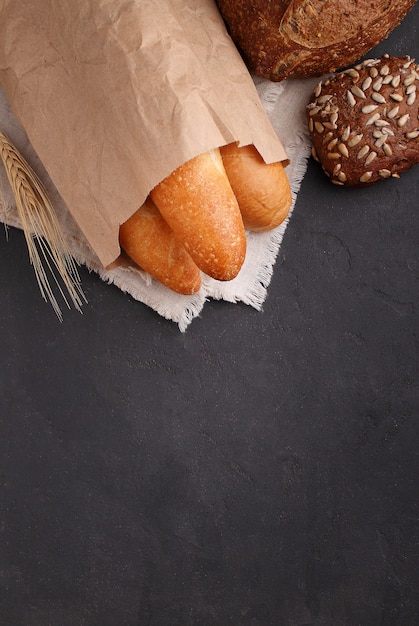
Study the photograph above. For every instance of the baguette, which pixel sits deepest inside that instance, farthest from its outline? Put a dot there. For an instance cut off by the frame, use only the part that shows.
(151, 243)
(262, 190)
(198, 203)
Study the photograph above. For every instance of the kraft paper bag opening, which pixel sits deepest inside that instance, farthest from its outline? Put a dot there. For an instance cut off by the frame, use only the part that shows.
(115, 94)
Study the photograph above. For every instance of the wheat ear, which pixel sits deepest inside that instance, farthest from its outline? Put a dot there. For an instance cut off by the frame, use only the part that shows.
(48, 250)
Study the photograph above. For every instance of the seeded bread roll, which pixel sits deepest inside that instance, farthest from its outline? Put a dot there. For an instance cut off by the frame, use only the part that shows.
(150, 242)
(364, 121)
(262, 190)
(198, 203)
(300, 38)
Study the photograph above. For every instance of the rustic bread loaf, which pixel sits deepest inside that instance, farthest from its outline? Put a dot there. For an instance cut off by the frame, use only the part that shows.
(364, 121)
(303, 38)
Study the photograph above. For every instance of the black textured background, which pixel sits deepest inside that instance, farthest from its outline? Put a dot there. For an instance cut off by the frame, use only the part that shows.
(259, 470)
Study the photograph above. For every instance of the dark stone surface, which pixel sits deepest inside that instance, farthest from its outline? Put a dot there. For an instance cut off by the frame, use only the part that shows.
(259, 470)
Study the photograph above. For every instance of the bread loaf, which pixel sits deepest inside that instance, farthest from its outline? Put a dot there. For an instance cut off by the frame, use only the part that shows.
(302, 38)
(150, 242)
(364, 121)
(262, 190)
(198, 203)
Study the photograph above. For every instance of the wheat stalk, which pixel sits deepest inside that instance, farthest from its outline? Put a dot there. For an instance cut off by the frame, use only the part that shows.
(48, 250)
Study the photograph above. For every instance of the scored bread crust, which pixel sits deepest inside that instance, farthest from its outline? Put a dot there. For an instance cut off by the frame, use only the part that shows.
(302, 38)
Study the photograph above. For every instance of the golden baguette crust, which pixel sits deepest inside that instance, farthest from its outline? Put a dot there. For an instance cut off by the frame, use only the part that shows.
(262, 190)
(150, 242)
(302, 38)
(198, 203)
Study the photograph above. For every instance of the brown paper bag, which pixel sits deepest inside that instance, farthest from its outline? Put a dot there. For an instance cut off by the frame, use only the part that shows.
(115, 94)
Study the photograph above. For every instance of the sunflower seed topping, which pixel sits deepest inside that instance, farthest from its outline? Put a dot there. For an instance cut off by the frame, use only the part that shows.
(332, 144)
(387, 150)
(370, 157)
(413, 134)
(346, 133)
(377, 84)
(402, 121)
(365, 177)
(314, 111)
(409, 80)
(342, 177)
(384, 173)
(387, 79)
(329, 125)
(371, 120)
(384, 70)
(350, 98)
(354, 140)
(377, 97)
(357, 91)
(373, 72)
(319, 127)
(396, 96)
(393, 112)
(363, 152)
(334, 155)
(366, 83)
(395, 81)
(323, 99)
(334, 117)
(318, 90)
(411, 98)
(369, 108)
(380, 141)
(352, 73)
(343, 149)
